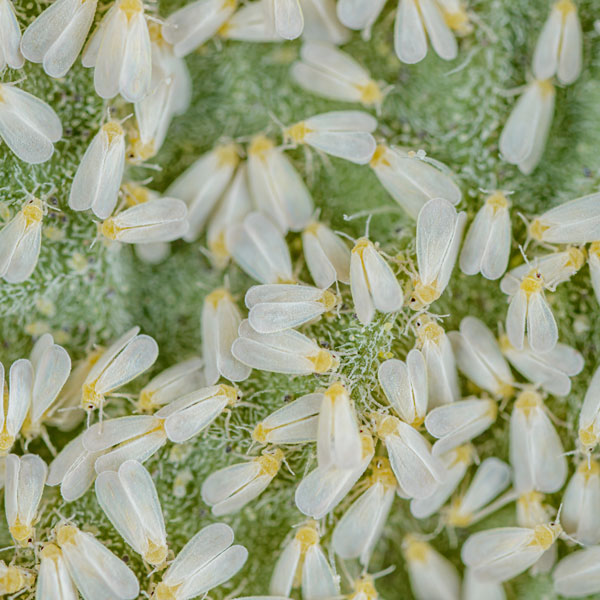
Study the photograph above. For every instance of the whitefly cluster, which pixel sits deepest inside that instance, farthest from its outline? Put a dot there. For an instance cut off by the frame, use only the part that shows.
(418, 446)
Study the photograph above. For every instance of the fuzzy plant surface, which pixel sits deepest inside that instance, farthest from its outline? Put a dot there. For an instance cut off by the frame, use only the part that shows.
(86, 291)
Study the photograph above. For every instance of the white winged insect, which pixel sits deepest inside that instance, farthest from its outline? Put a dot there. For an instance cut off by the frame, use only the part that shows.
(456, 462)
(503, 553)
(559, 48)
(15, 401)
(372, 282)
(286, 351)
(197, 22)
(359, 14)
(486, 249)
(417, 470)
(51, 368)
(589, 416)
(120, 52)
(125, 359)
(221, 320)
(524, 136)
(10, 52)
(536, 452)
(578, 574)
(189, 415)
(24, 484)
(259, 248)
(73, 469)
(130, 501)
(405, 386)
(358, 531)
(285, 17)
(170, 94)
(28, 126)
(325, 487)
(555, 268)
(114, 441)
(491, 478)
(280, 306)
(417, 20)
(327, 256)
(331, 73)
(411, 179)
(439, 357)
(579, 515)
(479, 357)
(432, 576)
(439, 232)
(229, 489)
(304, 555)
(573, 222)
(98, 178)
(157, 220)
(21, 241)
(529, 309)
(15, 579)
(551, 370)
(54, 581)
(459, 422)
(338, 437)
(205, 562)
(277, 188)
(172, 383)
(345, 134)
(231, 211)
(57, 35)
(203, 183)
(293, 423)
(96, 571)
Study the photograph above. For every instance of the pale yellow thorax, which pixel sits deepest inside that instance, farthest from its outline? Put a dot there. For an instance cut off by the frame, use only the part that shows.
(528, 402)
(379, 158)
(369, 93)
(298, 132)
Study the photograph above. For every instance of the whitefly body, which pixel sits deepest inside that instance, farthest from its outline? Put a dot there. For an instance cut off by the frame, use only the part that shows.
(486, 249)
(57, 35)
(439, 232)
(20, 242)
(479, 357)
(221, 319)
(120, 52)
(28, 126)
(536, 451)
(276, 186)
(524, 136)
(304, 554)
(559, 47)
(405, 386)
(208, 559)
(10, 51)
(280, 306)
(130, 501)
(331, 73)
(412, 180)
(343, 134)
(259, 248)
(99, 175)
(418, 21)
(229, 489)
(286, 351)
(372, 282)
